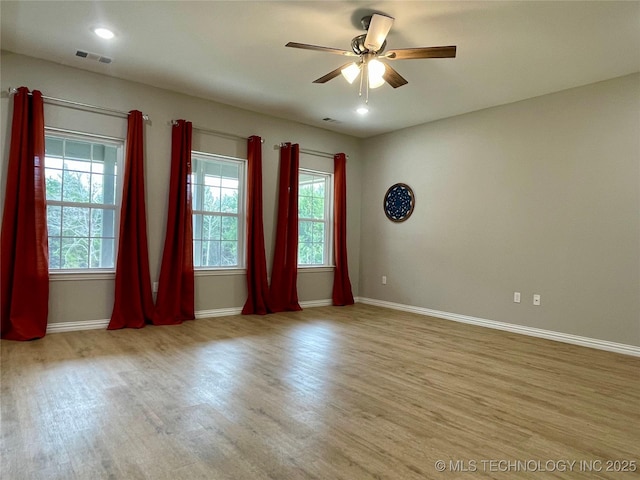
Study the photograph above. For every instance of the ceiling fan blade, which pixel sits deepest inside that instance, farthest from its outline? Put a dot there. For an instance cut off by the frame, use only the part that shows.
(306, 46)
(423, 52)
(393, 78)
(332, 74)
(378, 30)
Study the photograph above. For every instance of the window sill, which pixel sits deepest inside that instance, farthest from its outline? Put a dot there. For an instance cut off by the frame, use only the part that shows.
(81, 276)
(219, 272)
(314, 269)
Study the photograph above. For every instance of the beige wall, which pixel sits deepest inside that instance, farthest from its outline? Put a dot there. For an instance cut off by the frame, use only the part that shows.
(540, 196)
(93, 299)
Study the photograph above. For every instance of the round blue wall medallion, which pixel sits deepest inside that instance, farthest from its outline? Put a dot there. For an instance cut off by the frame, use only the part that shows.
(399, 202)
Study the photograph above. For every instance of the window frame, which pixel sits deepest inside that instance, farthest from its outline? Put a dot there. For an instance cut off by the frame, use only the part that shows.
(241, 215)
(329, 262)
(91, 273)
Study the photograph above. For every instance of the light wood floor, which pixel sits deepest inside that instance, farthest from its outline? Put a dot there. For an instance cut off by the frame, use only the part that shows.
(327, 393)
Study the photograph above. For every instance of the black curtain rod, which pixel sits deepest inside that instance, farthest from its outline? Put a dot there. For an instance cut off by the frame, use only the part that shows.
(79, 105)
(216, 132)
(317, 153)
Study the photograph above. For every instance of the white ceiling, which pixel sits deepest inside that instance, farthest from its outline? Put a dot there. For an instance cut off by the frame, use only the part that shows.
(233, 51)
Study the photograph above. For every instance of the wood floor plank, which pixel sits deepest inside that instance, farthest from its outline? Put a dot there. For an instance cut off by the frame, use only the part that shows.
(329, 393)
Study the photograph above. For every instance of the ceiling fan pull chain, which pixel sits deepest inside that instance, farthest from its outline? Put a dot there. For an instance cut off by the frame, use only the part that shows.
(365, 76)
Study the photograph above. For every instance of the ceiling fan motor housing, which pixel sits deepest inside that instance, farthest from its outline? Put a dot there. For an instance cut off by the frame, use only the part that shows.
(357, 45)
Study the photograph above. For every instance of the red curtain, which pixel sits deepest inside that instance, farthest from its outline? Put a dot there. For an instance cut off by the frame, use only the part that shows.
(342, 294)
(25, 252)
(258, 290)
(284, 291)
(133, 303)
(175, 302)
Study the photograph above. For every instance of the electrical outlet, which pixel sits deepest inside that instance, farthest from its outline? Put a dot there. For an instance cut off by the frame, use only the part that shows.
(516, 297)
(384, 279)
(536, 299)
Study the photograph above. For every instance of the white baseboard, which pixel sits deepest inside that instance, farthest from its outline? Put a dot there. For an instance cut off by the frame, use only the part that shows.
(509, 327)
(224, 312)
(218, 312)
(316, 303)
(74, 326)
(530, 331)
(103, 324)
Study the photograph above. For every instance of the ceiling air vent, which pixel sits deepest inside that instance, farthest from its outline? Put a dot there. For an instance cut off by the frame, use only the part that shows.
(93, 56)
(330, 120)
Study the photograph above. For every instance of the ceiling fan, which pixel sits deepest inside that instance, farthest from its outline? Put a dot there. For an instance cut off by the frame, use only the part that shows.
(369, 49)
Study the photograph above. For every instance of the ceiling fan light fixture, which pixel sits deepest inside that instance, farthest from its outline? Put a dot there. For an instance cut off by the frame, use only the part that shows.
(375, 83)
(351, 72)
(376, 71)
(362, 110)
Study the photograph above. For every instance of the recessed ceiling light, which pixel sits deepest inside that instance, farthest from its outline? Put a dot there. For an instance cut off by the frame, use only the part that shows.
(104, 33)
(362, 110)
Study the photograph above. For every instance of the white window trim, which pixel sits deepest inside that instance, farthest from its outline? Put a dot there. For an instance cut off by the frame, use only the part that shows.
(329, 213)
(71, 274)
(316, 268)
(241, 268)
(219, 272)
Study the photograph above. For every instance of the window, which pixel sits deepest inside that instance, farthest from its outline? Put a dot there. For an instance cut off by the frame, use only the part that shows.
(83, 198)
(314, 218)
(218, 185)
